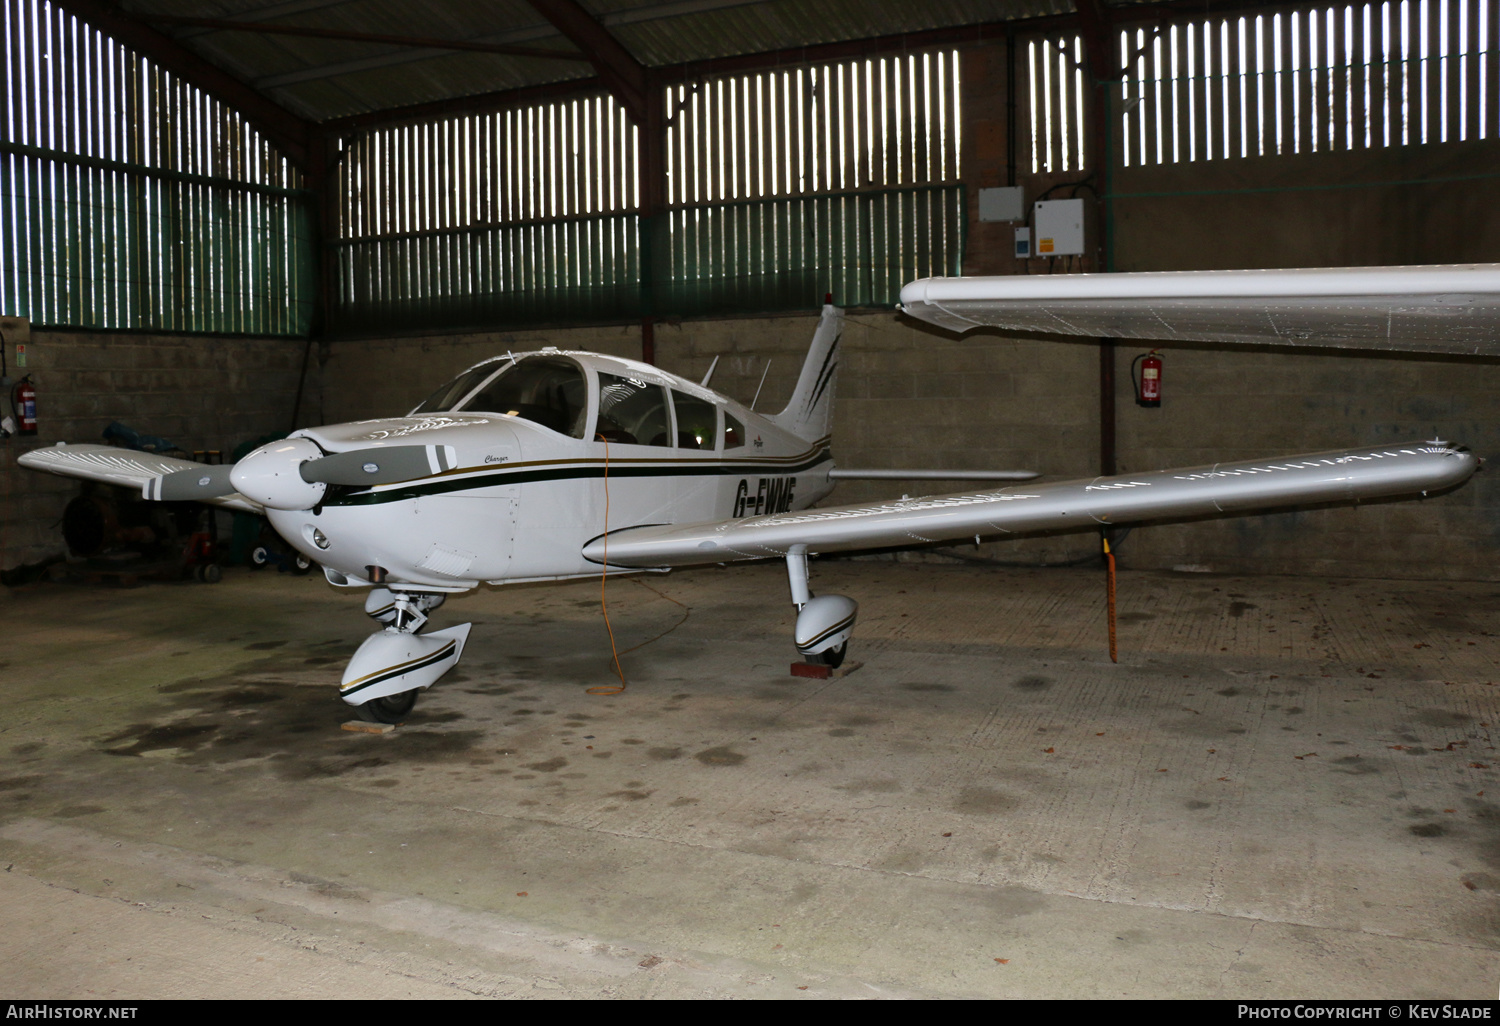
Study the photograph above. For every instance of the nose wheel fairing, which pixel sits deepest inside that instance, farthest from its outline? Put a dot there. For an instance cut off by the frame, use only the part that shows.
(394, 661)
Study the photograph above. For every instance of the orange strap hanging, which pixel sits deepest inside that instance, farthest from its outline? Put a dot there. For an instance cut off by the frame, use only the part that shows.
(1109, 558)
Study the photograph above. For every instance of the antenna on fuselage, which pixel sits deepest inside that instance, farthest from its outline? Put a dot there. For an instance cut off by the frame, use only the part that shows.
(761, 385)
(704, 382)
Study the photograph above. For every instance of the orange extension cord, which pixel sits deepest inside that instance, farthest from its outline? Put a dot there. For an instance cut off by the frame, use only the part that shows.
(608, 689)
(604, 606)
(1110, 557)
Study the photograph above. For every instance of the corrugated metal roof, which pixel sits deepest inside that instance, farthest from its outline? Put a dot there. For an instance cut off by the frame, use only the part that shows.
(329, 78)
(761, 27)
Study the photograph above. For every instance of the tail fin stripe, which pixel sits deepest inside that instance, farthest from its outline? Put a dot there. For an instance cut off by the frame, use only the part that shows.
(826, 377)
(808, 413)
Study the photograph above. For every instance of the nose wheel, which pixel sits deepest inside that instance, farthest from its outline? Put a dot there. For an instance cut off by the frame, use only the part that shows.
(832, 658)
(389, 708)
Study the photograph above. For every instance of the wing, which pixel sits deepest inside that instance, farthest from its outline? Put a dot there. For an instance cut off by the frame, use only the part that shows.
(1339, 476)
(1437, 309)
(124, 467)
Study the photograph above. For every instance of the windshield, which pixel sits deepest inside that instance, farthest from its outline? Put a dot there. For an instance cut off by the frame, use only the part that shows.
(548, 390)
(447, 397)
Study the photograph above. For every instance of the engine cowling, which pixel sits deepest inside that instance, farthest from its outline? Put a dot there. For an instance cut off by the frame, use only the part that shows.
(272, 475)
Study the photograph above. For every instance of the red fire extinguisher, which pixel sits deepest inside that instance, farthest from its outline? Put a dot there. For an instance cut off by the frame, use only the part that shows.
(23, 399)
(1148, 382)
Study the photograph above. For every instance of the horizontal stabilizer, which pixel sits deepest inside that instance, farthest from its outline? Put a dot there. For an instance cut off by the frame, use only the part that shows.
(1345, 475)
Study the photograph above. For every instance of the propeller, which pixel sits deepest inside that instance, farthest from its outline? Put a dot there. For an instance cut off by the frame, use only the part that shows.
(380, 465)
(206, 482)
(267, 476)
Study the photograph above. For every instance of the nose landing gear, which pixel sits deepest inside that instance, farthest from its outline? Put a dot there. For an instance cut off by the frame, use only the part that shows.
(388, 671)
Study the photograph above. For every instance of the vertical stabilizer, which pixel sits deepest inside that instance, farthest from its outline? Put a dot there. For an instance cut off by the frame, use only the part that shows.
(809, 414)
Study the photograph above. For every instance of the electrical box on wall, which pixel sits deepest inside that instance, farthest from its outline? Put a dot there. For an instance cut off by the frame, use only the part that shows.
(1059, 227)
(1023, 243)
(1002, 204)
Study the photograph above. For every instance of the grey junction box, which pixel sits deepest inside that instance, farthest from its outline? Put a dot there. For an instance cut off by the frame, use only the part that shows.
(1002, 204)
(1059, 227)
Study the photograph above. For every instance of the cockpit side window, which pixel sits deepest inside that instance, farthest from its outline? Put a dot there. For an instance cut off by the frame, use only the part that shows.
(697, 420)
(632, 412)
(445, 398)
(548, 390)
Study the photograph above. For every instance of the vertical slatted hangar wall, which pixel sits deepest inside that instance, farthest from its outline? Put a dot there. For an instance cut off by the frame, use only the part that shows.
(839, 178)
(1326, 79)
(516, 216)
(1317, 79)
(781, 186)
(129, 199)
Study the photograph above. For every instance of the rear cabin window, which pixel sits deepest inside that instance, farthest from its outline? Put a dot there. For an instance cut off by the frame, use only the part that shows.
(632, 412)
(697, 420)
(547, 390)
(734, 433)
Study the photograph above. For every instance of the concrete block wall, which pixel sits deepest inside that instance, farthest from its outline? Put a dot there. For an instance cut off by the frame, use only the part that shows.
(199, 392)
(1222, 403)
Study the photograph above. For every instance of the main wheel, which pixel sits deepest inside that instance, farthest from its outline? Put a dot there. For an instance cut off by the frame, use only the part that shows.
(389, 708)
(301, 564)
(830, 657)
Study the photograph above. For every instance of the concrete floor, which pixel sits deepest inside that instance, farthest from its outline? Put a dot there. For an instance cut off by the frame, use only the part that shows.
(1281, 790)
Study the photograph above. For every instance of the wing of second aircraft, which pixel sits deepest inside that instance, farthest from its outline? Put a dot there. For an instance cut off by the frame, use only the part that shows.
(1438, 309)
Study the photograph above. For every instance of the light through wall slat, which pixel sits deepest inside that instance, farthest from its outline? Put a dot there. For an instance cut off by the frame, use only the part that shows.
(129, 199)
(780, 186)
(1305, 80)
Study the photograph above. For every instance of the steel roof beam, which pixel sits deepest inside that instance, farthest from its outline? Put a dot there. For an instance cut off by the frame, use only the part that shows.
(288, 132)
(267, 13)
(391, 59)
(631, 16)
(481, 103)
(229, 25)
(502, 98)
(625, 76)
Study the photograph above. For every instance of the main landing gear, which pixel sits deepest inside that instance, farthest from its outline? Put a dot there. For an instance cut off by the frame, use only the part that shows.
(393, 665)
(825, 622)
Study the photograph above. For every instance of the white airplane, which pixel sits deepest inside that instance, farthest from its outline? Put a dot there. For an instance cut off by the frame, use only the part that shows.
(556, 465)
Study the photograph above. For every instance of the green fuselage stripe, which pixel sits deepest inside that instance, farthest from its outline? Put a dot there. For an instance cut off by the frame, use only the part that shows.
(563, 472)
